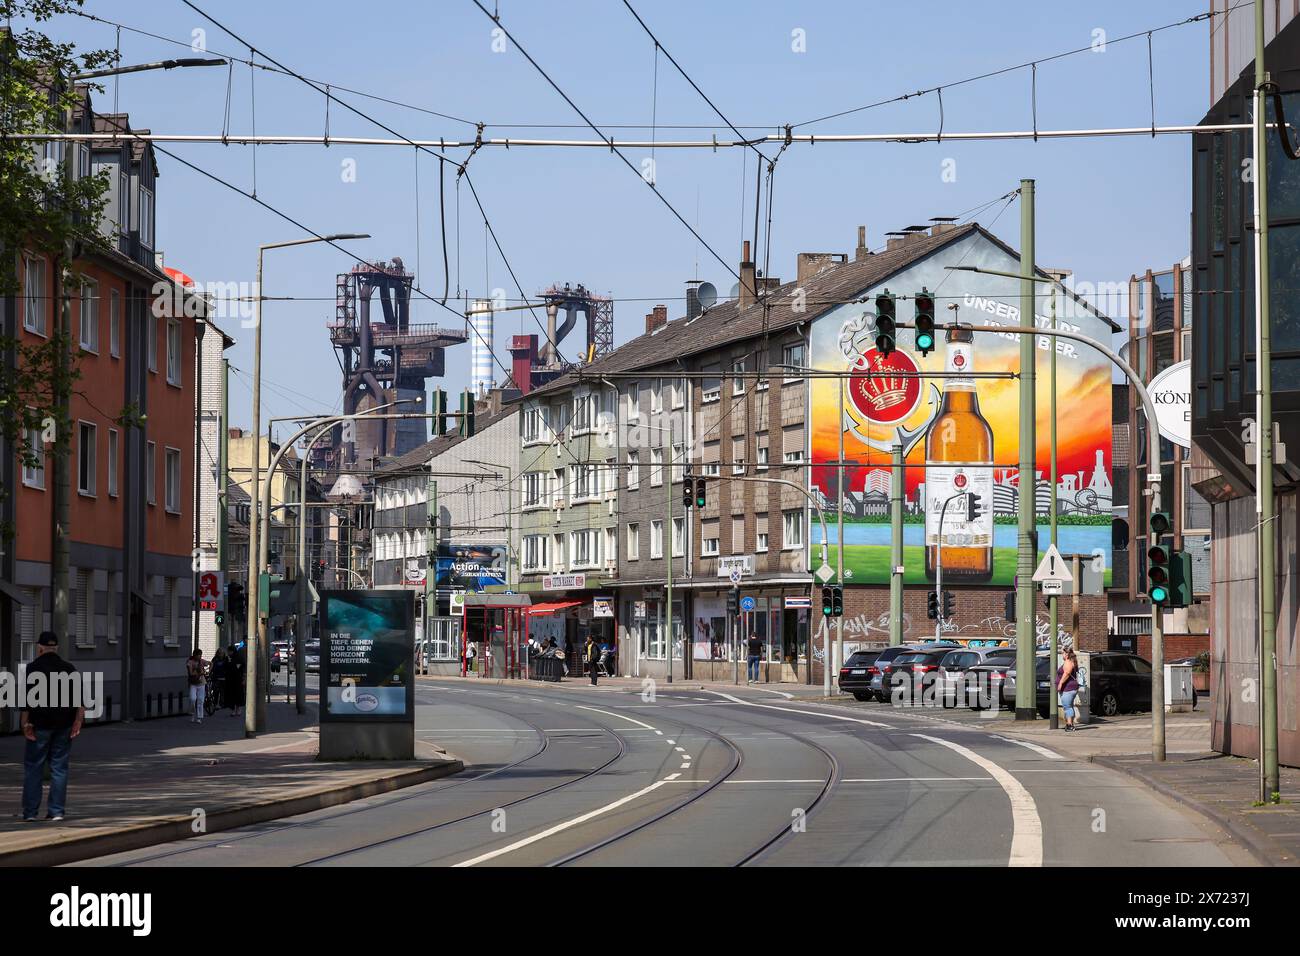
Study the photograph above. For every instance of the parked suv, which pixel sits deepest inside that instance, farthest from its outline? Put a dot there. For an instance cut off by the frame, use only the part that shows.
(955, 667)
(855, 678)
(1117, 681)
(914, 674)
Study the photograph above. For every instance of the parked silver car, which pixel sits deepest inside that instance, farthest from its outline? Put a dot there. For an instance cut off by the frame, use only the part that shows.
(955, 671)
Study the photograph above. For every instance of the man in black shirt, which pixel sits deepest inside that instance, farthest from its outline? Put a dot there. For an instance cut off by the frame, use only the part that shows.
(755, 649)
(49, 731)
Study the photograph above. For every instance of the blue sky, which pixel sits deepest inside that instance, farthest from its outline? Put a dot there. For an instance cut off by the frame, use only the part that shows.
(1106, 208)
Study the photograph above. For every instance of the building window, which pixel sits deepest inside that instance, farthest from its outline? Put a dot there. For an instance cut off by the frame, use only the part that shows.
(557, 552)
(633, 541)
(679, 537)
(656, 539)
(656, 467)
(112, 462)
(150, 473)
(584, 549)
(584, 481)
(115, 323)
(738, 377)
(711, 469)
(34, 295)
(536, 425)
(151, 346)
(762, 458)
(173, 353)
(679, 392)
(760, 541)
(633, 470)
(657, 397)
(679, 462)
(170, 637)
(86, 458)
(88, 315)
(793, 358)
(793, 457)
(34, 472)
(711, 384)
(110, 619)
(633, 401)
(534, 489)
(792, 530)
(611, 546)
(586, 411)
(146, 217)
(710, 547)
(85, 596)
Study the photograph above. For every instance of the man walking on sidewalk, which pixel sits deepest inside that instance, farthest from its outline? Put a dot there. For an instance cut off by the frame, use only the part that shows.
(755, 648)
(194, 671)
(49, 731)
(593, 657)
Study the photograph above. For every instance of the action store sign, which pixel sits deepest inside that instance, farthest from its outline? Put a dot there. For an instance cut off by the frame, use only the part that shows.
(1171, 393)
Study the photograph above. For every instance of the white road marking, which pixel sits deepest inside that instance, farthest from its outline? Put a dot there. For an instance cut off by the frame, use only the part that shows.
(1026, 825)
(659, 732)
(680, 750)
(1034, 747)
(908, 779)
(567, 824)
(610, 713)
(809, 713)
(671, 742)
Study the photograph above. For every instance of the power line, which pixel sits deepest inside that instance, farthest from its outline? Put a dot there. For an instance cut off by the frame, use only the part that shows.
(626, 162)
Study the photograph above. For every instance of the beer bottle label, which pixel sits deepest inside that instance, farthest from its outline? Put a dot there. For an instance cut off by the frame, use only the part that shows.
(957, 366)
(941, 483)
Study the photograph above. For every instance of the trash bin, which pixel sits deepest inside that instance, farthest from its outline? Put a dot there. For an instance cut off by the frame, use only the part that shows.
(1180, 698)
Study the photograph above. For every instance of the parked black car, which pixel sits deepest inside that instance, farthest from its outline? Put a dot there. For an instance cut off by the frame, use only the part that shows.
(914, 674)
(989, 679)
(1117, 682)
(854, 675)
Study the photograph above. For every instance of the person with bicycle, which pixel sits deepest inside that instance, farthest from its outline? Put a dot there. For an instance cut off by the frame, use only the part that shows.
(196, 672)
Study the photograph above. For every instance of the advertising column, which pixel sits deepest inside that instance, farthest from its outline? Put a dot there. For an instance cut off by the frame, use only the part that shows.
(367, 687)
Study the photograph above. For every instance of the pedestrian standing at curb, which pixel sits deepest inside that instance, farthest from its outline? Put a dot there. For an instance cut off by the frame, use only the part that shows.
(1067, 683)
(593, 657)
(194, 672)
(49, 731)
(235, 681)
(755, 646)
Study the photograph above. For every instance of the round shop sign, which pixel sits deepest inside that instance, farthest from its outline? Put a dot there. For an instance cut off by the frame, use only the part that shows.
(1171, 392)
(881, 393)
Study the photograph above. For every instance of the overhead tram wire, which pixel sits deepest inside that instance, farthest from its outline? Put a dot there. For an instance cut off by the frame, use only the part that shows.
(326, 92)
(613, 149)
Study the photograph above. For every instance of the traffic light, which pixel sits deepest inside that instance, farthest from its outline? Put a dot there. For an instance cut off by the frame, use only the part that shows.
(465, 424)
(924, 322)
(886, 322)
(1158, 555)
(219, 619)
(828, 601)
(688, 492)
(439, 411)
(1180, 579)
(235, 598)
(949, 605)
(837, 601)
(699, 493)
(932, 605)
(268, 592)
(974, 506)
(733, 601)
(1158, 574)
(1009, 606)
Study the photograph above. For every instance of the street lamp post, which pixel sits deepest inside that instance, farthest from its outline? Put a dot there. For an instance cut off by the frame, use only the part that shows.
(255, 713)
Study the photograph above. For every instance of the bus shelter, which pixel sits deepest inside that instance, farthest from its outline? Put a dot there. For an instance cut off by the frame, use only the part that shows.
(494, 635)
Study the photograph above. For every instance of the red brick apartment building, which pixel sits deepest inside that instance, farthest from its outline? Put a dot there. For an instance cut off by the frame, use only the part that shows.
(132, 522)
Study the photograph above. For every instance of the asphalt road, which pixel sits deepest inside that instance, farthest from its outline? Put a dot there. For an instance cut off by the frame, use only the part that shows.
(573, 775)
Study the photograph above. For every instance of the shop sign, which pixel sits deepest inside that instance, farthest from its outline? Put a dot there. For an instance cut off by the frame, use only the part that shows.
(563, 582)
(744, 563)
(793, 603)
(602, 607)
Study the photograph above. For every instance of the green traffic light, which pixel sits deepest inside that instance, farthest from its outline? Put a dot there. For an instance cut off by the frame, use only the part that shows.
(924, 341)
(1159, 595)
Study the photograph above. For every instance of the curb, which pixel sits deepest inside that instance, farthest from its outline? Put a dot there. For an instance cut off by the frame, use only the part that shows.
(108, 840)
(1264, 852)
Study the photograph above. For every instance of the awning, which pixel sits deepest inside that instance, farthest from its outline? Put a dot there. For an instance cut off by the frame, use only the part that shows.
(552, 607)
(496, 599)
(18, 594)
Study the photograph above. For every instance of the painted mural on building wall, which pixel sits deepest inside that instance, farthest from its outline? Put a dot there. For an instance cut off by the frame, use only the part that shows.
(960, 431)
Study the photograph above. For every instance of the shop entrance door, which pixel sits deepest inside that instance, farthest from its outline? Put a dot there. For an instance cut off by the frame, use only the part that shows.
(790, 646)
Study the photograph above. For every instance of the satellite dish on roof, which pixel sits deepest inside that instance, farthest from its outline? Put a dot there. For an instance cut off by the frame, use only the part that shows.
(735, 291)
(708, 295)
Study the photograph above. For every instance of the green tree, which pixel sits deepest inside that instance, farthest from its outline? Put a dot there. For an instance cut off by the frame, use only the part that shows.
(44, 211)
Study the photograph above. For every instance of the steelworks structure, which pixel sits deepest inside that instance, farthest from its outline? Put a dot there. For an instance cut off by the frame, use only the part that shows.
(383, 361)
(598, 311)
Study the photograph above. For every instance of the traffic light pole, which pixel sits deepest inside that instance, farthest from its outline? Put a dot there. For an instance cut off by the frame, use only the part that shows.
(897, 491)
(938, 565)
(1052, 715)
(1027, 531)
(1153, 479)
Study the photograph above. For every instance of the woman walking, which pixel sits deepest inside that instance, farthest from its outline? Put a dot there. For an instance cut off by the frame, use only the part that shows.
(1067, 683)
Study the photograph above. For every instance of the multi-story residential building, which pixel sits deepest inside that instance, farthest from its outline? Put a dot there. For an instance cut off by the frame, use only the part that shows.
(467, 541)
(131, 513)
(568, 514)
(1159, 339)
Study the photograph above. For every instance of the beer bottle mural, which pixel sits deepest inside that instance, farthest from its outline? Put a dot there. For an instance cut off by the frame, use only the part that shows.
(959, 433)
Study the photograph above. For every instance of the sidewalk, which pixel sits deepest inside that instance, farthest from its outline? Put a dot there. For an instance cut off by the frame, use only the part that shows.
(139, 784)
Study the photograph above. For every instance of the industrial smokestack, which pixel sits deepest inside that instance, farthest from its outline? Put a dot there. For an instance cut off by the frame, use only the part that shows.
(481, 377)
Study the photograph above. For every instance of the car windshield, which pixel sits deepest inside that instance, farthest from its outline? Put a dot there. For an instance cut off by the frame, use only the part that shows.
(860, 659)
(909, 658)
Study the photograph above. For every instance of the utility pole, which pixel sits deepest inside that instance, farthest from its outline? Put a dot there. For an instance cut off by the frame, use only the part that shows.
(1027, 532)
(1270, 782)
(666, 548)
(1052, 715)
(223, 485)
(897, 489)
(839, 507)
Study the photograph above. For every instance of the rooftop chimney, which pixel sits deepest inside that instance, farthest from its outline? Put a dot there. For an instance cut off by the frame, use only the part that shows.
(809, 264)
(895, 240)
(692, 300)
(861, 252)
(942, 224)
(523, 355)
(748, 288)
(656, 318)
